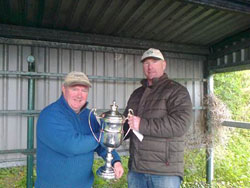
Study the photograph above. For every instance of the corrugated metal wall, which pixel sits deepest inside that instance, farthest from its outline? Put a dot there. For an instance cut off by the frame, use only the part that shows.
(100, 63)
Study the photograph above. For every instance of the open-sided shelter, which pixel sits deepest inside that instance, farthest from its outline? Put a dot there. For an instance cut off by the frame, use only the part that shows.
(42, 40)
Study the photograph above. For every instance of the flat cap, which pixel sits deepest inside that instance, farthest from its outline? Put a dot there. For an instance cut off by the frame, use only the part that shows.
(76, 78)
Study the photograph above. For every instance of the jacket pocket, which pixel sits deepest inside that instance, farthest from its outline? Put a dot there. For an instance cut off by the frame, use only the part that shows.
(153, 150)
(176, 151)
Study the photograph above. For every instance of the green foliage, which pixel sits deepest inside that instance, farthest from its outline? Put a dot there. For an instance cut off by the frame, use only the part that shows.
(233, 89)
(231, 159)
(232, 167)
(195, 168)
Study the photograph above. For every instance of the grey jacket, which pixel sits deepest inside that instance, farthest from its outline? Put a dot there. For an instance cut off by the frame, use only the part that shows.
(165, 110)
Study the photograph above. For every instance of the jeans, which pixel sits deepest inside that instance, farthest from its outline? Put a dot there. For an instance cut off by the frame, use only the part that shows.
(141, 180)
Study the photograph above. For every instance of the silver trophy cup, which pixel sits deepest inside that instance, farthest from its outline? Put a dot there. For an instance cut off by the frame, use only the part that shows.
(111, 136)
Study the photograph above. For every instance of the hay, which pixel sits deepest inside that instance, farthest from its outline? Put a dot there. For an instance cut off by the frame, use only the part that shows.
(218, 112)
(198, 137)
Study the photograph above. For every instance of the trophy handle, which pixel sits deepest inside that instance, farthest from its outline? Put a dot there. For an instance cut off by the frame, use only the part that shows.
(90, 126)
(130, 112)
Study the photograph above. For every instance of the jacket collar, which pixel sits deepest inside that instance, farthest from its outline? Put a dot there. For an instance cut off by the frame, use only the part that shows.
(155, 81)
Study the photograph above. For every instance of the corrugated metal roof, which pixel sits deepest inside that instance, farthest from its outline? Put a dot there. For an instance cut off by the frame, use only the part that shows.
(192, 22)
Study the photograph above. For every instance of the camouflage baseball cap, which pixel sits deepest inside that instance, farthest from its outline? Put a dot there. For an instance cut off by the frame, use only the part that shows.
(153, 53)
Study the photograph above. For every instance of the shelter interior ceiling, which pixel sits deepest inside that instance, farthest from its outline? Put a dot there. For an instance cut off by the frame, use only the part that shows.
(199, 27)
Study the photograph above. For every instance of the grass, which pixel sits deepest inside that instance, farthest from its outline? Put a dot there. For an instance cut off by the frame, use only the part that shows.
(231, 167)
(101, 183)
(16, 177)
(13, 177)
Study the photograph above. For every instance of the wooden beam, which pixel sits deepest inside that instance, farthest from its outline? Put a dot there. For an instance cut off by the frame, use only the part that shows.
(228, 52)
(238, 66)
(231, 44)
(21, 32)
(85, 47)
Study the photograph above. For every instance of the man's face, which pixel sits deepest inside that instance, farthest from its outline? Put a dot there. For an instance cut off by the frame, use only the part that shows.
(153, 68)
(76, 96)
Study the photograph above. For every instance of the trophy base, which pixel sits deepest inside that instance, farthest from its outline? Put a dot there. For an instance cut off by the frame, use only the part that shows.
(106, 173)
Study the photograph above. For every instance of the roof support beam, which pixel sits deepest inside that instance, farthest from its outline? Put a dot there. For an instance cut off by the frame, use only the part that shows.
(231, 44)
(231, 54)
(232, 6)
(21, 32)
(242, 65)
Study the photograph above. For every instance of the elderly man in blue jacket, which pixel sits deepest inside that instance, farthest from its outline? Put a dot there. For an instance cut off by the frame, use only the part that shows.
(65, 144)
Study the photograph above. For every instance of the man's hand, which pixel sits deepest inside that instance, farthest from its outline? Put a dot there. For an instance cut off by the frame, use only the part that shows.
(118, 170)
(134, 122)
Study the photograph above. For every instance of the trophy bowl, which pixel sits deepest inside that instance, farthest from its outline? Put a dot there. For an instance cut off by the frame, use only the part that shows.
(111, 137)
